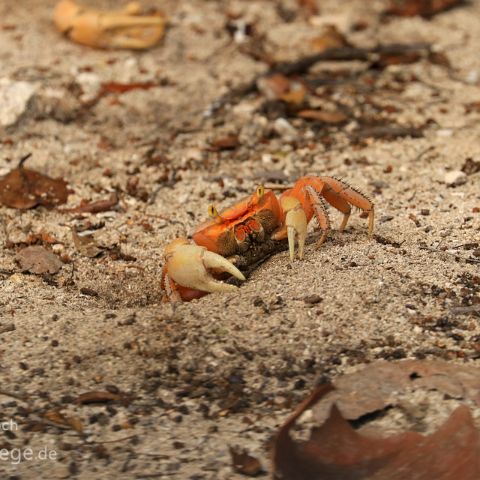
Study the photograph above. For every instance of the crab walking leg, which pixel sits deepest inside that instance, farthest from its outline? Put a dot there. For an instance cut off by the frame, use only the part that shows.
(187, 265)
(321, 214)
(337, 202)
(339, 194)
(353, 197)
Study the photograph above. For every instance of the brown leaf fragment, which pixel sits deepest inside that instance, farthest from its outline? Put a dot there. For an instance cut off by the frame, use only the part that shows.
(57, 417)
(374, 387)
(424, 8)
(37, 259)
(119, 88)
(244, 463)
(323, 116)
(86, 245)
(335, 451)
(230, 142)
(95, 207)
(97, 396)
(329, 38)
(401, 58)
(472, 107)
(23, 188)
(280, 87)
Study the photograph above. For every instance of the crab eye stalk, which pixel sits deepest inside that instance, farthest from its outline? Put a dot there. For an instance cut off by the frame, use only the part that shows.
(213, 212)
(260, 191)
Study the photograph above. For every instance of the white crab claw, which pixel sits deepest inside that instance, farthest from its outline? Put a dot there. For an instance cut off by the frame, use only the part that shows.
(188, 266)
(296, 223)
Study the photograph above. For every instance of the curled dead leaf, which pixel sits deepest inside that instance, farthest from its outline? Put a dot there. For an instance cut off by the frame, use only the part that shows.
(23, 188)
(38, 260)
(67, 421)
(335, 451)
(95, 207)
(97, 396)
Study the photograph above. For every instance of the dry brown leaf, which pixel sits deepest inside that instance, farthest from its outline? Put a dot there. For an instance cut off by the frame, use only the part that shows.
(244, 463)
(329, 38)
(95, 207)
(55, 416)
(424, 8)
(375, 386)
(229, 142)
(39, 260)
(97, 396)
(22, 188)
(335, 451)
(119, 88)
(401, 58)
(323, 116)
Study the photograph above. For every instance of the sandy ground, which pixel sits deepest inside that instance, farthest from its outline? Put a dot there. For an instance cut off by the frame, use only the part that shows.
(226, 369)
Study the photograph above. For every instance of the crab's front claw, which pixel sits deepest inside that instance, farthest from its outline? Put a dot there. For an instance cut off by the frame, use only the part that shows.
(189, 266)
(108, 29)
(295, 226)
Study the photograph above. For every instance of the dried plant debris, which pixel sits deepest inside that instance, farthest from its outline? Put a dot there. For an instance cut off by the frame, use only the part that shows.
(330, 37)
(95, 207)
(375, 386)
(335, 451)
(23, 188)
(120, 88)
(324, 116)
(38, 260)
(280, 87)
(244, 463)
(470, 166)
(86, 244)
(56, 417)
(99, 396)
(424, 8)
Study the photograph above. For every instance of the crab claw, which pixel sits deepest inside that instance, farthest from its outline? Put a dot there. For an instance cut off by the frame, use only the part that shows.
(296, 223)
(124, 28)
(188, 265)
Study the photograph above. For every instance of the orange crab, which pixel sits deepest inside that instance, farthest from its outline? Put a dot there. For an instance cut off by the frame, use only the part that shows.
(193, 269)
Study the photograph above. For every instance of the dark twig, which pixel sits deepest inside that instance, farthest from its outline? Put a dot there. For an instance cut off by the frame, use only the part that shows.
(23, 160)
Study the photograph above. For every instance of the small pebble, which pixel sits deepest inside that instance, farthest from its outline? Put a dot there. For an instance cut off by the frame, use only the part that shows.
(455, 178)
(312, 299)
